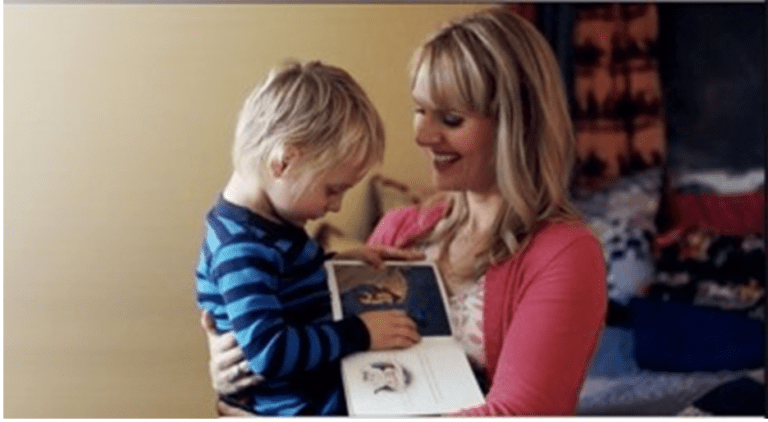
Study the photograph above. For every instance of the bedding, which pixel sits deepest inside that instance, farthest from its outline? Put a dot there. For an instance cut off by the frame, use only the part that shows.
(690, 339)
(655, 393)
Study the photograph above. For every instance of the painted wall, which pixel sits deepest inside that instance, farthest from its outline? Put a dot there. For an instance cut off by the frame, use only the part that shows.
(118, 121)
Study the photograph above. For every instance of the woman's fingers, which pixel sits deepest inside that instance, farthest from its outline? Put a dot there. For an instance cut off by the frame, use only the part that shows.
(225, 409)
(223, 342)
(376, 255)
(388, 252)
(229, 370)
(250, 380)
(207, 322)
(234, 378)
(230, 357)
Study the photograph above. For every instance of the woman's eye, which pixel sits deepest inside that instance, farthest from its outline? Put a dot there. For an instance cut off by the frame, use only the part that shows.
(452, 120)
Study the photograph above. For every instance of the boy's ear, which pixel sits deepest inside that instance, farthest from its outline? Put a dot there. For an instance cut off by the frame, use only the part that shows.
(290, 157)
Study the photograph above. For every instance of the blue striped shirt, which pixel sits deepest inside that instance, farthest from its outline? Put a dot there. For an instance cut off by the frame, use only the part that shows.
(266, 282)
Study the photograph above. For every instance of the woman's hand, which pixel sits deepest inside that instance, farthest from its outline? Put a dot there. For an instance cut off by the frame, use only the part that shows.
(376, 255)
(230, 372)
(390, 329)
(225, 409)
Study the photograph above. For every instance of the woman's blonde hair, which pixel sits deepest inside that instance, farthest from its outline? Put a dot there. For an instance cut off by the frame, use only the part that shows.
(318, 108)
(497, 64)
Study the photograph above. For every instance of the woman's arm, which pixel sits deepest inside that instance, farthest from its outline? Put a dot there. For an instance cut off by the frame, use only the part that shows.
(548, 345)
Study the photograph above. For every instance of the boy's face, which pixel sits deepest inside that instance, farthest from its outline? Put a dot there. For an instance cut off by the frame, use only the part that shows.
(300, 194)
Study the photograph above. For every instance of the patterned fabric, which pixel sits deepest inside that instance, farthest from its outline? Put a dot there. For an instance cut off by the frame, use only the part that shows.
(709, 269)
(630, 265)
(737, 214)
(630, 203)
(266, 282)
(466, 309)
(617, 112)
(719, 181)
(623, 215)
(526, 10)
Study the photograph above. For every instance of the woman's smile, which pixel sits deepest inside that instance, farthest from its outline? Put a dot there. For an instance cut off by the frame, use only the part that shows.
(444, 160)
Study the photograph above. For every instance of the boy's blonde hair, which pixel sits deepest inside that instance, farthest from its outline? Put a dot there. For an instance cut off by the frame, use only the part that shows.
(497, 64)
(317, 108)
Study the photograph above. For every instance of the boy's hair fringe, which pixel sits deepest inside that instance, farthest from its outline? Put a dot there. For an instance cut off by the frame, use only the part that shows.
(317, 108)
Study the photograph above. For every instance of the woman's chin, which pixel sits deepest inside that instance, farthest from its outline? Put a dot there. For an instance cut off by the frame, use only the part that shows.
(446, 185)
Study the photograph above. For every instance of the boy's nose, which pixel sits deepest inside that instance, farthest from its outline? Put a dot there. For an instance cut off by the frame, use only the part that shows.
(334, 205)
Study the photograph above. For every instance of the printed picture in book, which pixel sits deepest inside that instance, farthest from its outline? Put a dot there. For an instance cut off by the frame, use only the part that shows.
(413, 288)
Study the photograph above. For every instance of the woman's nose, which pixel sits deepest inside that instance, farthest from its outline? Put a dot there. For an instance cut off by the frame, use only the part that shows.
(427, 133)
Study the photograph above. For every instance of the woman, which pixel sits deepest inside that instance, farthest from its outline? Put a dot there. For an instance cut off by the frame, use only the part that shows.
(526, 278)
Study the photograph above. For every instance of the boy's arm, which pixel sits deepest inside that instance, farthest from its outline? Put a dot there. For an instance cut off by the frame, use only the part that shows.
(248, 281)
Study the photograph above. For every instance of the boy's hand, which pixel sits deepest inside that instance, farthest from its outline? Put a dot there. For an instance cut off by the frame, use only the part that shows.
(390, 329)
(376, 255)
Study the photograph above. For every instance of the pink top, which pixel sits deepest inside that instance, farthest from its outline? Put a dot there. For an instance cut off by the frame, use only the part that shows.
(543, 312)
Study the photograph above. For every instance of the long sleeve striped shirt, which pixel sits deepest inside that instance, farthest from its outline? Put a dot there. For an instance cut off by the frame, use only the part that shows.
(266, 282)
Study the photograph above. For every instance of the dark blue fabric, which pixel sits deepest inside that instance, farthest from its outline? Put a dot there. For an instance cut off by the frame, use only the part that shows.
(740, 397)
(680, 337)
(712, 68)
(556, 22)
(615, 355)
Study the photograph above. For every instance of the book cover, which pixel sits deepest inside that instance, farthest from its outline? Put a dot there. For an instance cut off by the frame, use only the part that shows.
(432, 377)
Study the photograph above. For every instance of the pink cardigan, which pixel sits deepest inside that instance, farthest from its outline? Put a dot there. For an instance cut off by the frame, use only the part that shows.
(543, 314)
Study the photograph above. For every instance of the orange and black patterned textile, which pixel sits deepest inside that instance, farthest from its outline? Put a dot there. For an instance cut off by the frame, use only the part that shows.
(617, 110)
(526, 10)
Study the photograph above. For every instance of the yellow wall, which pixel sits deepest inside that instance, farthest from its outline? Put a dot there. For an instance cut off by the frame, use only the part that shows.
(117, 130)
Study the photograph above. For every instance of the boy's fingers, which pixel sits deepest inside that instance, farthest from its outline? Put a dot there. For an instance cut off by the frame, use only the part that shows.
(403, 340)
(375, 260)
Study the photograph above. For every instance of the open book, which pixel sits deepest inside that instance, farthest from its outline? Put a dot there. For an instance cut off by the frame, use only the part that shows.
(432, 377)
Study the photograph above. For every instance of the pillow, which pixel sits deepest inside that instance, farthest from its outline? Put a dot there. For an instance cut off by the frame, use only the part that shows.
(622, 216)
(719, 181)
(631, 202)
(629, 264)
(736, 214)
(708, 269)
(615, 355)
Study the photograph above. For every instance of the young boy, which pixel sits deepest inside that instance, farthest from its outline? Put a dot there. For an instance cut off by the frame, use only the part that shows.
(304, 137)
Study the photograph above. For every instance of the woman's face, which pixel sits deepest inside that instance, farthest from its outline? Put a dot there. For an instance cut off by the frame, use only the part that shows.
(460, 143)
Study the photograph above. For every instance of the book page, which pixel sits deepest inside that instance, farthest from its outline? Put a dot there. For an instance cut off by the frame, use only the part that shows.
(415, 287)
(432, 377)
